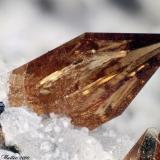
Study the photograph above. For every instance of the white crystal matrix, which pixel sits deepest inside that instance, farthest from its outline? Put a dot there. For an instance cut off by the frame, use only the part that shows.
(49, 138)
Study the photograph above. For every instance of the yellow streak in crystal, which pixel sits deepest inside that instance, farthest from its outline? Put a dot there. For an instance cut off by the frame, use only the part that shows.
(141, 67)
(104, 80)
(52, 77)
(132, 74)
(100, 81)
(86, 92)
(123, 53)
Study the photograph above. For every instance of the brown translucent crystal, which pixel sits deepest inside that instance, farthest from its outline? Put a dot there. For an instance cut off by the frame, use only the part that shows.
(147, 148)
(91, 79)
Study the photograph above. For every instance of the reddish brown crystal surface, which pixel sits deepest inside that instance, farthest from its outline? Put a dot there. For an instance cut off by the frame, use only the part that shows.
(91, 79)
(147, 148)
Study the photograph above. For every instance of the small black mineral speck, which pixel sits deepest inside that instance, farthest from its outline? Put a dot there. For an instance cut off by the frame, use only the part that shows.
(13, 149)
(2, 106)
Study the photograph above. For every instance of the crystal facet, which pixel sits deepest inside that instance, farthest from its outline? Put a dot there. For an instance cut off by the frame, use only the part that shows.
(147, 148)
(91, 79)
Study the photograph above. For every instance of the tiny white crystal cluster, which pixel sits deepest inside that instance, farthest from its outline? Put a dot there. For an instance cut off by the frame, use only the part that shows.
(49, 138)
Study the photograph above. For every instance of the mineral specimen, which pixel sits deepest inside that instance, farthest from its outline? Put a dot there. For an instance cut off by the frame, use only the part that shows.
(147, 148)
(91, 79)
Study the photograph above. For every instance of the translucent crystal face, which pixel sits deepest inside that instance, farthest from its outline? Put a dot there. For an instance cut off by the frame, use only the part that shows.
(91, 79)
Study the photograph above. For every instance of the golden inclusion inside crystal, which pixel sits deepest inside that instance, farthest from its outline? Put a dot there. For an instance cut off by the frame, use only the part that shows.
(52, 77)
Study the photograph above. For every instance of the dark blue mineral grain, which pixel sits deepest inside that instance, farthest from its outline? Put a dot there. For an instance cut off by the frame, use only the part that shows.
(2, 106)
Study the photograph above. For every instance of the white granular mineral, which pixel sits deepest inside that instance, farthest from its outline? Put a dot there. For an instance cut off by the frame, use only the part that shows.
(49, 138)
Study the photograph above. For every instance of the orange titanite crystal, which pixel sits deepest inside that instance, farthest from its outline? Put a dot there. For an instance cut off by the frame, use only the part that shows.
(91, 79)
